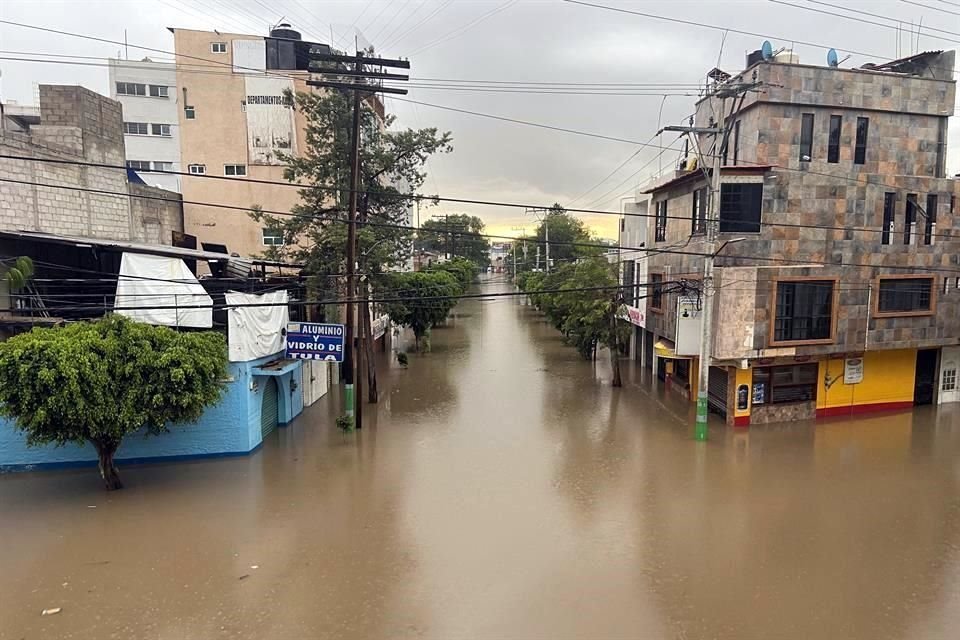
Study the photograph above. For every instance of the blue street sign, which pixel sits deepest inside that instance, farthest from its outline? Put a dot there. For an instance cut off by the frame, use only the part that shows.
(313, 341)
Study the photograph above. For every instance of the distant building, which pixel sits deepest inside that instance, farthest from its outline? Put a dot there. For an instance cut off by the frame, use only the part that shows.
(151, 132)
(632, 262)
(825, 165)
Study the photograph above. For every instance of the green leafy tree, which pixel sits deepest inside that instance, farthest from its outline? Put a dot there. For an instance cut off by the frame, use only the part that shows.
(424, 300)
(582, 301)
(98, 382)
(464, 270)
(457, 234)
(392, 172)
(564, 230)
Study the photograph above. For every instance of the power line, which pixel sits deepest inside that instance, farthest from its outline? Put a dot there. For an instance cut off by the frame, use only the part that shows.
(715, 27)
(863, 20)
(882, 17)
(925, 6)
(414, 197)
(464, 28)
(594, 245)
(422, 22)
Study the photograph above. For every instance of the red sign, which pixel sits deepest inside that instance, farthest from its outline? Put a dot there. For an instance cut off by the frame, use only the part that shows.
(633, 315)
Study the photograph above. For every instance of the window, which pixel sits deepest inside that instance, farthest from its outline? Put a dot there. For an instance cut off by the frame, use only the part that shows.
(234, 169)
(910, 221)
(197, 169)
(860, 148)
(804, 311)
(793, 383)
(930, 228)
(189, 113)
(162, 166)
(806, 137)
(899, 296)
(736, 141)
(218, 47)
(656, 291)
(941, 169)
(833, 144)
(272, 237)
(139, 165)
(159, 91)
(160, 130)
(135, 128)
(949, 380)
(629, 291)
(889, 217)
(661, 223)
(131, 89)
(740, 205)
(698, 214)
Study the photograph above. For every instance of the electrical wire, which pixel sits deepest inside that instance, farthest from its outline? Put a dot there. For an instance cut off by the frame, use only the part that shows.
(400, 197)
(900, 21)
(422, 22)
(926, 6)
(460, 30)
(705, 25)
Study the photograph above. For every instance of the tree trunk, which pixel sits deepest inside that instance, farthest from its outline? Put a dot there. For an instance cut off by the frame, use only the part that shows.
(373, 393)
(615, 365)
(108, 469)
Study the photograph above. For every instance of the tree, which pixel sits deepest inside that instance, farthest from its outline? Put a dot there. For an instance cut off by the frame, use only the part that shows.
(582, 300)
(391, 174)
(567, 235)
(458, 234)
(462, 269)
(424, 299)
(100, 381)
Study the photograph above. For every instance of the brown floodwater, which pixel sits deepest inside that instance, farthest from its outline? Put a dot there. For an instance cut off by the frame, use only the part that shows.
(502, 489)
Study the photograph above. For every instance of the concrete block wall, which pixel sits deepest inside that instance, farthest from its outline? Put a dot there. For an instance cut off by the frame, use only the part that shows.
(155, 217)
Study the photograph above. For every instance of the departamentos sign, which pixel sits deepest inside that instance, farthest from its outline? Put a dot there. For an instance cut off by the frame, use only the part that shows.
(314, 341)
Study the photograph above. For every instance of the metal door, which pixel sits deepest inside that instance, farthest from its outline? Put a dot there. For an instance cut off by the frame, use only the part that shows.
(270, 407)
(925, 386)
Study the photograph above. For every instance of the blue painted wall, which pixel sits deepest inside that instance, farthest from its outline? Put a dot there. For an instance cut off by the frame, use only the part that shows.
(230, 428)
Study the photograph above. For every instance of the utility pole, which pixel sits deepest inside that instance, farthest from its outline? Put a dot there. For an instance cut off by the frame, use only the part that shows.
(338, 75)
(720, 132)
(546, 232)
(523, 233)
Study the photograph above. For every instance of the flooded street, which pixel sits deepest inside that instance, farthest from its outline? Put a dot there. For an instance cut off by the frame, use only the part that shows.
(502, 489)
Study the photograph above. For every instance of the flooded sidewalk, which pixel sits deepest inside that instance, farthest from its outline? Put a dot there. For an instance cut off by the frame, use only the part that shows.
(503, 489)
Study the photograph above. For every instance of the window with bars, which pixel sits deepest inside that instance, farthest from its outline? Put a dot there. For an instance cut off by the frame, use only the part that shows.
(136, 128)
(905, 295)
(804, 311)
(949, 382)
(793, 383)
(660, 232)
(833, 142)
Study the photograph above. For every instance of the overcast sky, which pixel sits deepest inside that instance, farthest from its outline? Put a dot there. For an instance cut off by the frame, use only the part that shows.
(525, 41)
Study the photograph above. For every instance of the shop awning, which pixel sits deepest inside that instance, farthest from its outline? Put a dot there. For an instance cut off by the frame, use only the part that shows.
(665, 349)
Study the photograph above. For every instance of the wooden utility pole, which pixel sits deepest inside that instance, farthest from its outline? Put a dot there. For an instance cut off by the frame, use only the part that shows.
(361, 81)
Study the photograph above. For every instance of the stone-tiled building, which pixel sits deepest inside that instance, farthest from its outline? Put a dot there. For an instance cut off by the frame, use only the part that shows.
(841, 292)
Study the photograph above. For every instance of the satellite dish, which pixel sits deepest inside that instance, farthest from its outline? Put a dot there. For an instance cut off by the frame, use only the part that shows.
(832, 59)
(766, 49)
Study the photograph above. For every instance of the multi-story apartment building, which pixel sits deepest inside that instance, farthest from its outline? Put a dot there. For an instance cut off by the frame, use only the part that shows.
(633, 274)
(840, 293)
(151, 132)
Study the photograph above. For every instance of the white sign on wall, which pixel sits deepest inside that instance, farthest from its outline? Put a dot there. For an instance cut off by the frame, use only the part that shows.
(853, 370)
(270, 123)
(249, 56)
(689, 324)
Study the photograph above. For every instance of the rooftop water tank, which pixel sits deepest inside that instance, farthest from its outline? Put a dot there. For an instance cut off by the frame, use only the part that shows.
(285, 31)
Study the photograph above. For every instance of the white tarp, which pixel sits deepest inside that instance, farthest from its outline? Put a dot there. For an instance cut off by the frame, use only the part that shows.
(249, 56)
(255, 331)
(270, 123)
(161, 290)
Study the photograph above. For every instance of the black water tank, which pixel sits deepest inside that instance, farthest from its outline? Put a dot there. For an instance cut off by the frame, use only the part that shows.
(285, 31)
(754, 57)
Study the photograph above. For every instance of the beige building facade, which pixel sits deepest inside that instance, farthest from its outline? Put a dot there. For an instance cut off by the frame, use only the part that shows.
(234, 123)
